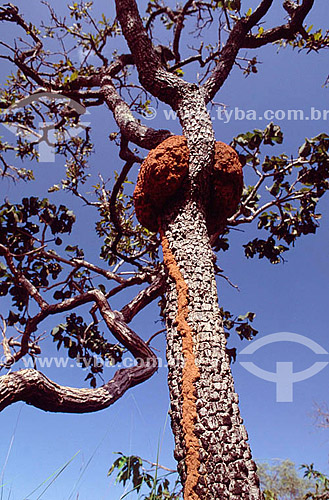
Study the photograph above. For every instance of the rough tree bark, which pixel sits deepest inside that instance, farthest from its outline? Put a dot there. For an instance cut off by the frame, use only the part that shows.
(213, 455)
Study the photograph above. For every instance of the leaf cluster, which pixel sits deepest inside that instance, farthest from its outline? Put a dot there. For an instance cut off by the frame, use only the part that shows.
(321, 481)
(308, 40)
(23, 228)
(285, 194)
(132, 469)
(86, 345)
(241, 324)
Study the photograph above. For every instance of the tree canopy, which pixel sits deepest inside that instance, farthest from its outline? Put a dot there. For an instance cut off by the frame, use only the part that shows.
(75, 62)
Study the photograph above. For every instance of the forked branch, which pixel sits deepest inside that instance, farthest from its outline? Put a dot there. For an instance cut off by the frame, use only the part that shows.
(240, 37)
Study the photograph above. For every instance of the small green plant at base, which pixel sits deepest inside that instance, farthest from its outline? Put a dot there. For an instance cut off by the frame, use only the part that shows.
(279, 481)
(321, 483)
(146, 482)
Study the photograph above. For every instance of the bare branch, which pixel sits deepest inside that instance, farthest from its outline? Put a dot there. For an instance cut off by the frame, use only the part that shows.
(8, 357)
(130, 127)
(285, 31)
(77, 263)
(321, 413)
(158, 466)
(155, 335)
(161, 10)
(179, 27)
(144, 298)
(114, 216)
(230, 51)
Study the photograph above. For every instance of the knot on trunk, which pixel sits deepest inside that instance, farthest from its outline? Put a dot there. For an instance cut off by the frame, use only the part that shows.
(164, 170)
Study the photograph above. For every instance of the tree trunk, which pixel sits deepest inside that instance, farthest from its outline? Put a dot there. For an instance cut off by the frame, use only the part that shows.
(214, 458)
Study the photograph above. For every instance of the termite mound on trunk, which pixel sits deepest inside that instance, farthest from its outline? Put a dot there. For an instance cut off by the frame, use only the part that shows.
(164, 170)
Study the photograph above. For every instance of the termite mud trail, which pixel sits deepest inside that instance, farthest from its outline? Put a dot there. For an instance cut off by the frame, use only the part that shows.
(190, 373)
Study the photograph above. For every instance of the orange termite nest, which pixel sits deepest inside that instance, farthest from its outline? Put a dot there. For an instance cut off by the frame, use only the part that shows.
(163, 171)
(226, 187)
(160, 176)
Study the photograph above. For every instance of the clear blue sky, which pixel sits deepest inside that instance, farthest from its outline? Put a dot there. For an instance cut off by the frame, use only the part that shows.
(291, 297)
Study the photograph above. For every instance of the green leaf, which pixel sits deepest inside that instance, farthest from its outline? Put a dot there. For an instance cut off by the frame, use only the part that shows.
(58, 295)
(73, 351)
(55, 187)
(305, 149)
(71, 248)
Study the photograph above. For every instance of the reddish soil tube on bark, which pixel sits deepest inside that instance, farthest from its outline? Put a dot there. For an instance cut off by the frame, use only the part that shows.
(190, 374)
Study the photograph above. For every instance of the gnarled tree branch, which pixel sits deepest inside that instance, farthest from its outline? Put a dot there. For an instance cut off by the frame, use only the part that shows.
(129, 126)
(285, 31)
(145, 297)
(152, 75)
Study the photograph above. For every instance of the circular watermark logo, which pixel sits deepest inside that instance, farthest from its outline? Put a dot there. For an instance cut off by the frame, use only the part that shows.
(284, 377)
(149, 113)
